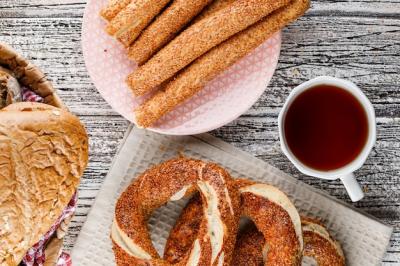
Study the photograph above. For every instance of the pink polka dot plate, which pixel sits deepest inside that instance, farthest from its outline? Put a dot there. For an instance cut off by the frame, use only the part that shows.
(221, 101)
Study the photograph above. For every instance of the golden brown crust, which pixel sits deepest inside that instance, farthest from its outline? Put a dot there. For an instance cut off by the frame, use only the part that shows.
(204, 69)
(277, 228)
(28, 107)
(166, 181)
(133, 18)
(250, 242)
(197, 40)
(29, 75)
(113, 8)
(164, 28)
(124, 259)
(321, 250)
(213, 7)
(43, 153)
(320, 245)
(275, 223)
(184, 231)
(309, 220)
(249, 248)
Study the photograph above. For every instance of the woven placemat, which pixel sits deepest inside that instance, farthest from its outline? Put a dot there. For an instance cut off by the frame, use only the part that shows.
(364, 239)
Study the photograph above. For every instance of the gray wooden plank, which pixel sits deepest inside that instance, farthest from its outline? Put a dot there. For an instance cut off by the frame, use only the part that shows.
(41, 8)
(312, 46)
(74, 8)
(357, 40)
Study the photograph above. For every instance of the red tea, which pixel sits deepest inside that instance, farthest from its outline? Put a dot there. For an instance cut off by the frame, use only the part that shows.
(326, 127)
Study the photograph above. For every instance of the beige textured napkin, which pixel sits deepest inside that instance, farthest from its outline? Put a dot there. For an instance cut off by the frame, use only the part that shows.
(364, 240)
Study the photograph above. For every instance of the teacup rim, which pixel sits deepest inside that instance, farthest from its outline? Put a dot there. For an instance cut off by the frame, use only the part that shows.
(365, 102)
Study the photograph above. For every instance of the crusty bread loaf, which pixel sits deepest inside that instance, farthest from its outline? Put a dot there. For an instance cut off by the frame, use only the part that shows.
(43, 153)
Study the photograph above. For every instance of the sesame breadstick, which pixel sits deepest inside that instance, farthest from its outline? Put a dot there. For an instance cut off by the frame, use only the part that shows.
(213, 7)
(129, 23)
(197, 40)
(113, 8)
(193, 78)
(164, 28)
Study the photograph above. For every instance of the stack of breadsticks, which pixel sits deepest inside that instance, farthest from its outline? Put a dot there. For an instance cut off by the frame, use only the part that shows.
(183, 44)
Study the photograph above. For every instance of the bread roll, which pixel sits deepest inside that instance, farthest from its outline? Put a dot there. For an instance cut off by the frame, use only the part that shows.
(43, 153)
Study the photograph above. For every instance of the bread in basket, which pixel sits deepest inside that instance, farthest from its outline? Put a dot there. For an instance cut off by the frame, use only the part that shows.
(43, 153)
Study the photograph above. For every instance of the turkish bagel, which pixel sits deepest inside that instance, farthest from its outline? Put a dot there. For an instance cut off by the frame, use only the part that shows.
(207, 231)
(275, 217)
(172, 180)
(253, 246)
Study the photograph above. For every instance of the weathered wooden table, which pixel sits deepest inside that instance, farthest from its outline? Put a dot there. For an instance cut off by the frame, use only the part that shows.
(357, 40)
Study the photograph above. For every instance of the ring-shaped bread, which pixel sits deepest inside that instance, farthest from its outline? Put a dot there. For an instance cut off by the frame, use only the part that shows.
(271, 211)
(168, 181)
(250, 247)
(320, 245)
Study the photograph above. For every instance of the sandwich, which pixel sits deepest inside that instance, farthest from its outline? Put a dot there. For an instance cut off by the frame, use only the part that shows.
(43, 153)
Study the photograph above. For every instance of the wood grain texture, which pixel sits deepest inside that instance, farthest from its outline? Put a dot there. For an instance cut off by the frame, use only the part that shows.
(74, 8)
(356, 40)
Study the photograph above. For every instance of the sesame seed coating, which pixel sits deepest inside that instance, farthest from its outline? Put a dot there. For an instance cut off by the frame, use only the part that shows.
(213, 7)
(166, 26)
(197, 40)
(193, 78)
(273, 225)
(155, 187)
(113, 8)
(133, 18)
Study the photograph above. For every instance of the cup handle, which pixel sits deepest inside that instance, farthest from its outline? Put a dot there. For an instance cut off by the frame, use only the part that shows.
(353, 188)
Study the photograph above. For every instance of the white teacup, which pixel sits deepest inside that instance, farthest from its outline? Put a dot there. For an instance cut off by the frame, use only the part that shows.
(344, 173)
